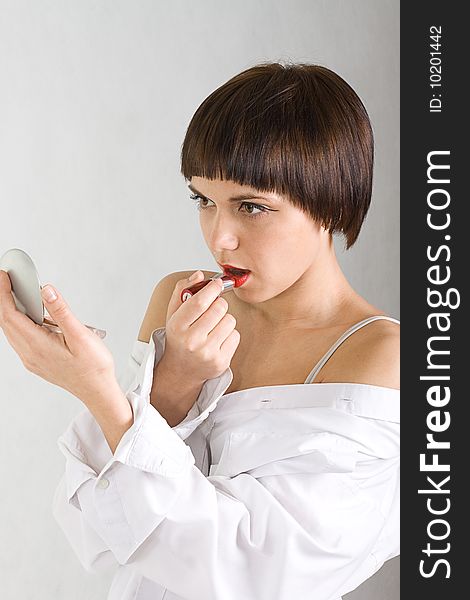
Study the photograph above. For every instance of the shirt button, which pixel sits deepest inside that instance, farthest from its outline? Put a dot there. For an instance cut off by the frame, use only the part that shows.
(103, 483)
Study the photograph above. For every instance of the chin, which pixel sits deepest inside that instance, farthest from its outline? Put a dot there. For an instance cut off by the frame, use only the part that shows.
(250, 296)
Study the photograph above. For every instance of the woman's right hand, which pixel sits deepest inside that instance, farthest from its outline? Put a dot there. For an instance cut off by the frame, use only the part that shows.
(201, 338)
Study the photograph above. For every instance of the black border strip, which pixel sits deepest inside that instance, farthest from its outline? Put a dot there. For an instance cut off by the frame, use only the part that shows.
(433, 568)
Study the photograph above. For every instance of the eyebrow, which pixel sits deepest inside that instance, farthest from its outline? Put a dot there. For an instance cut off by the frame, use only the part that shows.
(236, 198)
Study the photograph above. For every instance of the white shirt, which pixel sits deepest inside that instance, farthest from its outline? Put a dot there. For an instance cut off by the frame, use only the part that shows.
(270, 493)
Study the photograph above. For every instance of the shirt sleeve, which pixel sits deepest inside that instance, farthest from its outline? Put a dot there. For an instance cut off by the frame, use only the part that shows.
(139, 374)
(87, 451)
(281, 517)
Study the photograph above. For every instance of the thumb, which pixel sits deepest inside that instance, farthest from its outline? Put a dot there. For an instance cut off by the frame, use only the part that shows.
(60, 312)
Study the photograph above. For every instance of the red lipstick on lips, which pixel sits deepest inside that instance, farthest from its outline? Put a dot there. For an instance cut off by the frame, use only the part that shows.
(239, 275)
(231, 277)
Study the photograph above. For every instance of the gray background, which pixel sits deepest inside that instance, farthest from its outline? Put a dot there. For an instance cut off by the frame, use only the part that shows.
(95, 99)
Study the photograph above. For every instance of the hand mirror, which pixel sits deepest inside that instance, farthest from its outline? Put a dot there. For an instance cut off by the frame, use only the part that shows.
(26, 289)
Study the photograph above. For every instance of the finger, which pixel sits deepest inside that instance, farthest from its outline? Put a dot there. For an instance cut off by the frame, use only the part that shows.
(22, 333)
(221, 332)
(10, 316)
(61, 314)
(197, 305)
(212, 317)
(7, 304)
(231, 343)
(175, 300)
(176, 303)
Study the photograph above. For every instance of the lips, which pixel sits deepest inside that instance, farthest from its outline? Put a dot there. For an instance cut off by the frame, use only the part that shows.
(235, 270)
(236, 273)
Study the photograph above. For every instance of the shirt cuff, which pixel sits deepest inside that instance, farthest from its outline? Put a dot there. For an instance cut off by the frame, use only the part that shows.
(211, 391)
(108, 499)
(150, 444)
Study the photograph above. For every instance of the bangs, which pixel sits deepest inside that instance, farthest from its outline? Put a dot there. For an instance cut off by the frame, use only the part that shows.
(298, 130)
(248, 133)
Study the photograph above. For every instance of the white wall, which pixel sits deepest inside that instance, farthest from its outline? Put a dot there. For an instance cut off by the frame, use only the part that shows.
(95, 98)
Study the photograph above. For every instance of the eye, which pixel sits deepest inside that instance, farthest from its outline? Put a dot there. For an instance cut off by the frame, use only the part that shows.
(199, 200)
(257, 207)
(249, 209)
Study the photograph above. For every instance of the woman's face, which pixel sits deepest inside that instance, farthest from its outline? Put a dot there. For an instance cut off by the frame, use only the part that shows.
(259, 231)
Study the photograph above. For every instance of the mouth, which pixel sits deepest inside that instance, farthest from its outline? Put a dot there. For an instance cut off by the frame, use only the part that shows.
(239, 275)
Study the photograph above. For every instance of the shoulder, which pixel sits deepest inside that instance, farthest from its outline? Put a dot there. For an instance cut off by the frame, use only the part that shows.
(370, 355)
(155, 315)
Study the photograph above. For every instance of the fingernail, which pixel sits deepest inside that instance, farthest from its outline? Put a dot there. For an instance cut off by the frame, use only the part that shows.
(48, 293)
(193, 276)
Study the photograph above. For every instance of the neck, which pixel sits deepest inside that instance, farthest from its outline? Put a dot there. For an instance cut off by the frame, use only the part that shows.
(320, 298)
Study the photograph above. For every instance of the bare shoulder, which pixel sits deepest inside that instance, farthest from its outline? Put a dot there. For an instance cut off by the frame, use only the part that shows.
(155, 315)
(371, 355)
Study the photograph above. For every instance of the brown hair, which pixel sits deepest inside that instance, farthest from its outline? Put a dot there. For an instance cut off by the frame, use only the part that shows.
(298, 130)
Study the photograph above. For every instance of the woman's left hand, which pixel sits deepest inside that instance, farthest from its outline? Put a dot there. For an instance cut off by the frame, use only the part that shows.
(76, 360)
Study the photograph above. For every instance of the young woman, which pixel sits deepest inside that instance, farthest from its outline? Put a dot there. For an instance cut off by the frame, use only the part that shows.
(261, 459)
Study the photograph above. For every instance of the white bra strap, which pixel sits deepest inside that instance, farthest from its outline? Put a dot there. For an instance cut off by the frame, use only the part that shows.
(316, 369)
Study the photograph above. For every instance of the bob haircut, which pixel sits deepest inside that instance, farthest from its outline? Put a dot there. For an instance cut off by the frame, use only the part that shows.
(298, 130)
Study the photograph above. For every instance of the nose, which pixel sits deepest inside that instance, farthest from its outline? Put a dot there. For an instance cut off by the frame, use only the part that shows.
(222, 234)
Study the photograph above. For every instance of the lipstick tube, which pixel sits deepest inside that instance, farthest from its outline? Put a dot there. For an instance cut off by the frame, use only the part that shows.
(228, 282)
